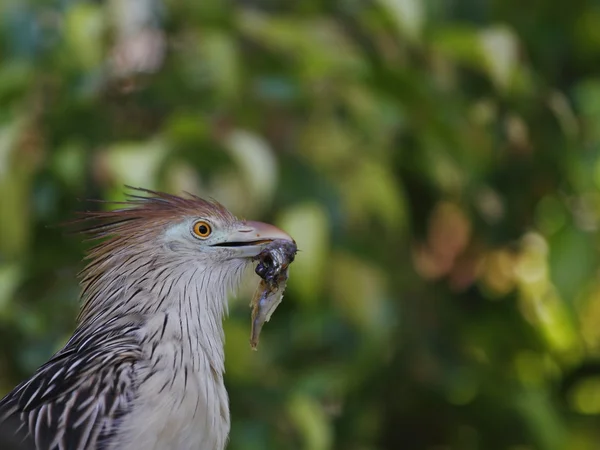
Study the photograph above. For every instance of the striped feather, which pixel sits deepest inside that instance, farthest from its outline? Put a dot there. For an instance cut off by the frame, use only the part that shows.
(75, 400)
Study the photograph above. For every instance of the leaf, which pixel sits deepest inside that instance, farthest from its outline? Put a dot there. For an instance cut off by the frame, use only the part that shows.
(372, 191)
(221, 58)
(68, 163)
(10, 278)
(459, 43)
(320, 47)
(358, 291)
(84, 28)
(308, 223)
(311, 422)
(500, 52)
(572, 260)
(135, 164)
(409, 16)
(257, 164)
(15, 179)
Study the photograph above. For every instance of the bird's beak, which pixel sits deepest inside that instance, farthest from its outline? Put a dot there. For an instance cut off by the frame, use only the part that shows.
(250, 238)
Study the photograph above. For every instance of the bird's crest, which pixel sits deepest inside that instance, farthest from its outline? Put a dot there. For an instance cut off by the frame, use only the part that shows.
(138, 220)
(144, 210)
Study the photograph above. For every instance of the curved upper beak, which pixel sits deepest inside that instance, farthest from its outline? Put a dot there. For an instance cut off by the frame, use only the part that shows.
(251, 238)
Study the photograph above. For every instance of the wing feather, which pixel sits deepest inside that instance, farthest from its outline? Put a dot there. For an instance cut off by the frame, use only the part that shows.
(76, 400)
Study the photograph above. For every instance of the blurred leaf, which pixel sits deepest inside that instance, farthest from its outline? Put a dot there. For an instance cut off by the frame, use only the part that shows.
(319, 46)
(500, 52)
(585, 397)
(69, 162)
(15, 78)
(134, 164)
(327, 142)
(9, 134)
(459, 43)
(10, 278)
(358, 290)
(242, 364)
(545, 423)
(551, 215)
(372, 190)
(84, 28)
(219, 53)
(15, 179)
(257, 164)
(409, 15)
(312, 423)
(309, 225)
(587, 96)
(541, 303)
(182, 177)
(572, 261)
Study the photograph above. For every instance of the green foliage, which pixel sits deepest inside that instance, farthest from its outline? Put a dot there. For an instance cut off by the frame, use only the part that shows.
(438, 163)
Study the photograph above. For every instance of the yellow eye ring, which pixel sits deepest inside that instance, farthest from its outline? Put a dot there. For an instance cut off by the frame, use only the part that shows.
(202, 229)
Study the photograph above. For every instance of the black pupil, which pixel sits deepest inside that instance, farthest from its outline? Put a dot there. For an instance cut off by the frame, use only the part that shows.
(203, 229)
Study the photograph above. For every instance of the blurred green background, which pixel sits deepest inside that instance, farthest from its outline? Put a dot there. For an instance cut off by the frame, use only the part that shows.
(437, 161)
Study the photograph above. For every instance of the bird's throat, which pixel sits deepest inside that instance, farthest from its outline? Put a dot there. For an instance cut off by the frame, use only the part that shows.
(179, 305)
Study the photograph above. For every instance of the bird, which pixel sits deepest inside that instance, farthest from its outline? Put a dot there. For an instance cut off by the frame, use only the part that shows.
(144, 368)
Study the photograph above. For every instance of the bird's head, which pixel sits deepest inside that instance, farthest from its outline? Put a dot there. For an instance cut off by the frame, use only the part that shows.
(160, 237)
(185, 226)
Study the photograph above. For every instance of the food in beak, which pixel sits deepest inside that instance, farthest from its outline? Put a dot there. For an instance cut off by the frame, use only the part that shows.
(273, 265)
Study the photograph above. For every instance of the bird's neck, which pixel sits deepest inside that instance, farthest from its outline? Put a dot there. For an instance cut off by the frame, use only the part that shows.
(181, 303)
(180, 308)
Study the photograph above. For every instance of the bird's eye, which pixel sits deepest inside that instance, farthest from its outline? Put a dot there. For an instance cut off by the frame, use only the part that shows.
(202, 229)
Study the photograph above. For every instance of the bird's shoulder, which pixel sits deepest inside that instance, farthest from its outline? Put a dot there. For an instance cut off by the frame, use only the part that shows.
(75, 400)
